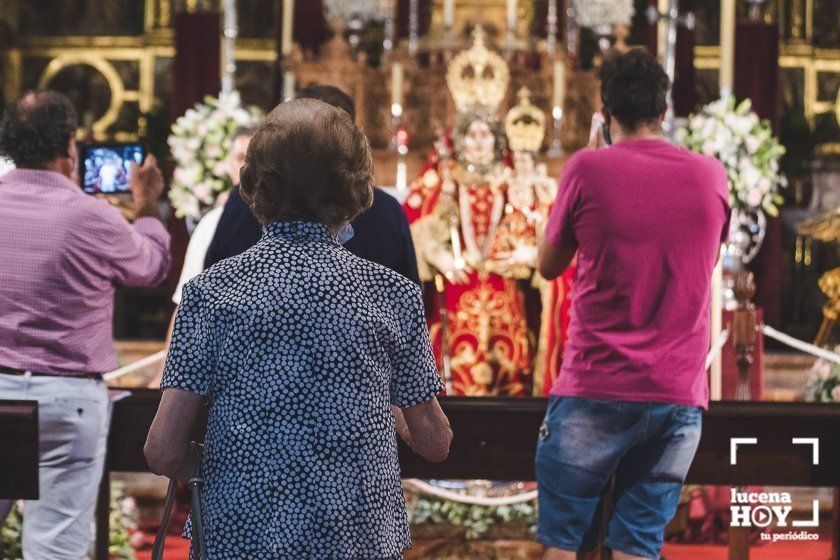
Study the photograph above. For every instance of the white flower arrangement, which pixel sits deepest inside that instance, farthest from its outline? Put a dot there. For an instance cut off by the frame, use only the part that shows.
(6, 165)
(596, 14)
(747, 148)
(200, 142)
(824, 381)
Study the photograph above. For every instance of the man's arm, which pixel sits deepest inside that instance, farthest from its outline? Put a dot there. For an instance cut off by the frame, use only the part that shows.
(552, 259)
(138, 254)
(429, 434)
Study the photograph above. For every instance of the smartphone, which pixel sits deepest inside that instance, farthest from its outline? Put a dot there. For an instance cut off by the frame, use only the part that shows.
(605, 128)
(106, 167)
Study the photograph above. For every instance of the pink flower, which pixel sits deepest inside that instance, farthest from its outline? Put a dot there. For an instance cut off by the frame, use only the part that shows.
(752, 143)
(764, 185)
(220, 169)
(754, 197)
(204, 192)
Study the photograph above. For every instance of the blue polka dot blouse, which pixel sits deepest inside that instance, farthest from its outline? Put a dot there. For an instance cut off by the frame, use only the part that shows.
(301, 347)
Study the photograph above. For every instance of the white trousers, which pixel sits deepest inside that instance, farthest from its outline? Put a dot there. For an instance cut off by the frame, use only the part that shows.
(73, 420)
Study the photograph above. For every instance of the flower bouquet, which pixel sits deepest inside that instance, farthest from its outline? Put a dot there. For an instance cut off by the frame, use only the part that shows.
(200, 142)
(747, 148)
(824, 382)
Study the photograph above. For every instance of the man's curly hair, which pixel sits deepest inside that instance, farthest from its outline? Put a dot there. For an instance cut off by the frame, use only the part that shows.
(308, 162)
(634, 87)
(37, 129)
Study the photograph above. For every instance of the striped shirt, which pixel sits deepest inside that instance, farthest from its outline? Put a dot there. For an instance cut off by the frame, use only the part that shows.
(61, 254)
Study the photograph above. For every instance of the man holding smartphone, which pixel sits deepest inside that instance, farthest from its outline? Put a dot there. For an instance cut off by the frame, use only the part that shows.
(646, 220)
(62, 252)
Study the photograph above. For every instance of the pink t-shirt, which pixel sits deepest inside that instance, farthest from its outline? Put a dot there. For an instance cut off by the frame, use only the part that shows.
(647, 219)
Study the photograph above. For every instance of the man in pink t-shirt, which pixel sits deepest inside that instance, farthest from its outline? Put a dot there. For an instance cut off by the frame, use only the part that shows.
(646, 220)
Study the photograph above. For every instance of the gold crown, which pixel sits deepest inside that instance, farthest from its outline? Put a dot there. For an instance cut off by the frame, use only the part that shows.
(525, 124)
(478, 77)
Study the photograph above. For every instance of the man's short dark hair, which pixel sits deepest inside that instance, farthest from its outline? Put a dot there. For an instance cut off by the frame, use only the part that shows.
(308, 162)
(331, 95)
(634, 87)
(37, 129)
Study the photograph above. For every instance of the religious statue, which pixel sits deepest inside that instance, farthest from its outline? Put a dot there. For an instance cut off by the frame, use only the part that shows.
(475, 222)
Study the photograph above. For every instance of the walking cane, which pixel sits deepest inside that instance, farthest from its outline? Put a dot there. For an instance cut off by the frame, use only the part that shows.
(196, 484)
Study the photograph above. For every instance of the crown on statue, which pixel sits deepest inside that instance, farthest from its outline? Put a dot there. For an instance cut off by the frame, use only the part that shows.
(478, 77)
(525, 124)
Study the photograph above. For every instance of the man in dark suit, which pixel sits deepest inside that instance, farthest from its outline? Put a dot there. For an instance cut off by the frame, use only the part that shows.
(380, 234)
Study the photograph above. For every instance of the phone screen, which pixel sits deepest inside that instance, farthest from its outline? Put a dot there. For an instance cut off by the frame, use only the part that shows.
(605, 128)
(106, 168)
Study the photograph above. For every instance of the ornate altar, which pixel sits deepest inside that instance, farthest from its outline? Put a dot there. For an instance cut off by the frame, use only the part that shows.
(475, 213)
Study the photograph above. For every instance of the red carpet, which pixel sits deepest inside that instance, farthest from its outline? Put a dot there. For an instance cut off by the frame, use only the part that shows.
(819, 550)
(178, 549)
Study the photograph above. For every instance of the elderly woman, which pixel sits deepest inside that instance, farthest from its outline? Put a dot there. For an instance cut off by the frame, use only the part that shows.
(301, 348)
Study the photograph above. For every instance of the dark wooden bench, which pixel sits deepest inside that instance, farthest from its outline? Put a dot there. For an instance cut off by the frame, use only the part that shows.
(495, 439)
(19, 450)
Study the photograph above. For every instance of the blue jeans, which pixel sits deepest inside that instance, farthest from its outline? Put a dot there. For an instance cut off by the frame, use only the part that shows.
(648, 447)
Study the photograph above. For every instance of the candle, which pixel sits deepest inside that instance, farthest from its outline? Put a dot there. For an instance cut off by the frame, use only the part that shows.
(663, 7)
(511, 14)
(448, 13)
(551, 28)
(402, 174)
(727, 46)
(413, 26)
(559, 84)
(397, 85)
(288, 85)
(288, 25)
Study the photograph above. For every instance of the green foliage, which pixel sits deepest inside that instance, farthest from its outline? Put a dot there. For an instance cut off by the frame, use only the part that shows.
(824, 382)
(10, 536)
(477, 520)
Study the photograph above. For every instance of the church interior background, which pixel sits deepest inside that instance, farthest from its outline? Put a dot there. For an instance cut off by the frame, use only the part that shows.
(132, 68)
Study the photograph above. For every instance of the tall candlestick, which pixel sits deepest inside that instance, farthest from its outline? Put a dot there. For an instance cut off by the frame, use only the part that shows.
(396, 87)
(551, 28)
(511, 14)
(413, 26)
(231, 30)
(559, 84)
(387, 7)
(448, 13)
(402, 174)
(571, 30)
(661, 28)
(288, 85)
(727, 46)
(288, 26)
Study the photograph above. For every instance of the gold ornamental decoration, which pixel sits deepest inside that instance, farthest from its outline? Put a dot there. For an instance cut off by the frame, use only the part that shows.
(525, 124)
(478, 77)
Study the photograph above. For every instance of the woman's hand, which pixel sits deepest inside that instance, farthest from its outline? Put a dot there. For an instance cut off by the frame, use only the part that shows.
(429, 429)
(401, 426)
